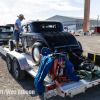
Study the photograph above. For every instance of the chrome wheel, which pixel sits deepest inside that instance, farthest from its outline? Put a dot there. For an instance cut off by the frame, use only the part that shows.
(36, 51)
(36, 54)
(15, 70)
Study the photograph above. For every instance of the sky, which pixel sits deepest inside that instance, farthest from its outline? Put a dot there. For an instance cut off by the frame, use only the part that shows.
(44, 9)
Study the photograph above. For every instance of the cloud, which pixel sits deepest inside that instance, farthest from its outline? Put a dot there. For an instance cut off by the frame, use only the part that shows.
(41, 5)
(9, 9)
(79, 1)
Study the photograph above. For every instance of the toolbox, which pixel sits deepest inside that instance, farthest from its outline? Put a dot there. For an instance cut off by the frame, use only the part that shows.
(95, 57)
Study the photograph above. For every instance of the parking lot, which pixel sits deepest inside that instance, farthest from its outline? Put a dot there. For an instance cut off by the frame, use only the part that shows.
(7, 81)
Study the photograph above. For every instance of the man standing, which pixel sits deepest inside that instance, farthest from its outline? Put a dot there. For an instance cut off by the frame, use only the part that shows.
(17, 29)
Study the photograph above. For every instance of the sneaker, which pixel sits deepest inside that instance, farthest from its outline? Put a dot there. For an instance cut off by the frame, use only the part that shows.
(18, 50)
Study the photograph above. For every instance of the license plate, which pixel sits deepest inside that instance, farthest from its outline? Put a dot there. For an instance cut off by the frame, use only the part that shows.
(9, 36)
(50, 93)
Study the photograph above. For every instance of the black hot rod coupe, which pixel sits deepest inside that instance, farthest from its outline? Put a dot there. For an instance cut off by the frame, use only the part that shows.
(38, 34)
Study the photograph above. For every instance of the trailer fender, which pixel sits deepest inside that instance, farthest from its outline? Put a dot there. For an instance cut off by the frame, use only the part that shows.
(21, 59)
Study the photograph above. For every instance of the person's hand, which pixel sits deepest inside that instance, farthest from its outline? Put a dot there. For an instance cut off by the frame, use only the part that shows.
(18, 31)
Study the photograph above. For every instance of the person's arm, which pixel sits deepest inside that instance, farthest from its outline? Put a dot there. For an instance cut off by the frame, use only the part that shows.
(16, 24)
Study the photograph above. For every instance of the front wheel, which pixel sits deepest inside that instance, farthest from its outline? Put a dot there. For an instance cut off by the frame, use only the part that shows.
(36, 51)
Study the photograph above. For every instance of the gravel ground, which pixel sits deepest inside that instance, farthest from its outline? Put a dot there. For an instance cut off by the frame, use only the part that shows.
(7, 81)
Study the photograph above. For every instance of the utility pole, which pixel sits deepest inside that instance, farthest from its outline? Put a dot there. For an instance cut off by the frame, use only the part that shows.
(86, 22)
(97, 19)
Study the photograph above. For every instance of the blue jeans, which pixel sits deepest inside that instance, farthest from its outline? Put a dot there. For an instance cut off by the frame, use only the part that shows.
(16, 35)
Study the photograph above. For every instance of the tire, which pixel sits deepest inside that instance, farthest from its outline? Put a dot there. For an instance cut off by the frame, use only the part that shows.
(80, 45)
(9, 63)
(11, 45)
(36, 51)
(81, 50)
(18, 73)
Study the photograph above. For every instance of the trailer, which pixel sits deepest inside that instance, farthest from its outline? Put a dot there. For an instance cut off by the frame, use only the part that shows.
(19, 63)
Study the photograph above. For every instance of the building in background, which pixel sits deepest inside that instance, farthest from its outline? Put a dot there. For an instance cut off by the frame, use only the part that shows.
(73, 23)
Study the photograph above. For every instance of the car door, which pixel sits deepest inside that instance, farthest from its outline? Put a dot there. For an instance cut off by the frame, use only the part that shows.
(29, 35)
(32, 37)
(24, 35)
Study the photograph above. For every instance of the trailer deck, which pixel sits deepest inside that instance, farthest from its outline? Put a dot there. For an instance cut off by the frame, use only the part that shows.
(70, 88)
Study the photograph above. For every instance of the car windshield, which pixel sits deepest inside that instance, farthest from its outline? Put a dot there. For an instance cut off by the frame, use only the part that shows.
(5, 29)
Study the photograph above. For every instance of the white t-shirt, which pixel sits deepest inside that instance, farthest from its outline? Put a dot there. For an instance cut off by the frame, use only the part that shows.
(19, 24)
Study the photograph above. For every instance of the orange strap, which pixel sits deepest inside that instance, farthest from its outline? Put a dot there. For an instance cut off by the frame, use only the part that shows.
(58, 84)
(55, 81)
(59, 78)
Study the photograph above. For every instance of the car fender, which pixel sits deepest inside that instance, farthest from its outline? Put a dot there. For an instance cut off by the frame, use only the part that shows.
(40, 39)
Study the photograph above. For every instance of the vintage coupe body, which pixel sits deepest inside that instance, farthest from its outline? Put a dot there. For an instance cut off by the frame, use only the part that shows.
(39, 34)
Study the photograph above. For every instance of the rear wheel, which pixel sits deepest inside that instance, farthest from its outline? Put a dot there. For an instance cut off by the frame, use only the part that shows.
(75, 60)
(36, 51)
(81, 50)
(80, 45)
(18, 73)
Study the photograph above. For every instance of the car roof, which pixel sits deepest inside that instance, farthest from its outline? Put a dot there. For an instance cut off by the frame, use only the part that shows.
(4, 26)
(32, 21)
(37, 25)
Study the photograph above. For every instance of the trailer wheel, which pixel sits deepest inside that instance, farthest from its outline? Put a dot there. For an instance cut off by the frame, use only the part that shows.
(36, 51)
(9, 63)
(18, 73)
(11, 45)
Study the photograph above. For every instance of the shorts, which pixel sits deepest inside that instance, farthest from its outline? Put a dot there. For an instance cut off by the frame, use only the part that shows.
(16, 35)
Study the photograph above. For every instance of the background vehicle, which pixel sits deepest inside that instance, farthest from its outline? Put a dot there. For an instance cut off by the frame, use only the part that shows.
(11, 25)
(5, 34)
